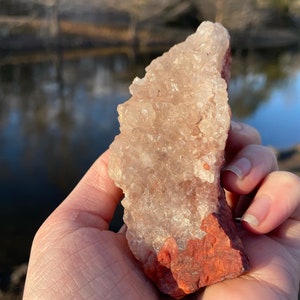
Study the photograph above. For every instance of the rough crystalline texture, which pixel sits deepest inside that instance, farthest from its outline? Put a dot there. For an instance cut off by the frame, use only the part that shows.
(167, 160)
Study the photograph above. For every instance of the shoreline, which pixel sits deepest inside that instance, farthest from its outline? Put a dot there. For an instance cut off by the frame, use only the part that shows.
(289, 159)
(35, 34)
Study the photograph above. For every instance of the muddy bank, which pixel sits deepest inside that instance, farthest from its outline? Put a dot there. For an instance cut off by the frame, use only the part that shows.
(289, 160)
(78, 34)
(11, 285)
(84, 35)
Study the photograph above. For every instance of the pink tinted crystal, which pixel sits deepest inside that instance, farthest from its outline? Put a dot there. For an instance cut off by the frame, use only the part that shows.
(167, 160)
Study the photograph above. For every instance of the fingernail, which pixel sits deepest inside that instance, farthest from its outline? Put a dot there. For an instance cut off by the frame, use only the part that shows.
(123, 228)
(236, 126)
(250, 219)
(257, 211)
(240, 167)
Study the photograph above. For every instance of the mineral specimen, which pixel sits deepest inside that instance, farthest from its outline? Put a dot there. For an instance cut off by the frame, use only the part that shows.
(167, 159)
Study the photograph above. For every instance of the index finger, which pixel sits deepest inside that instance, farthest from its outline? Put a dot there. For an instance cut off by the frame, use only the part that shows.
(240, 135)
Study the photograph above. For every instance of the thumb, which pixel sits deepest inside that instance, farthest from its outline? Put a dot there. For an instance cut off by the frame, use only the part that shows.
(277, 199)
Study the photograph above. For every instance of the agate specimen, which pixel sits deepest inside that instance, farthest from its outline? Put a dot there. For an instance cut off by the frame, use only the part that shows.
(167, 160)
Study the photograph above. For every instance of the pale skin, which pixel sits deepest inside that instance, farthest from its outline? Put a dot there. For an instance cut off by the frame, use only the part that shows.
(75, 256)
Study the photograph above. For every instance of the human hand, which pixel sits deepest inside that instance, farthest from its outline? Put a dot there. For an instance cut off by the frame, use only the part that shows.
(75, 256)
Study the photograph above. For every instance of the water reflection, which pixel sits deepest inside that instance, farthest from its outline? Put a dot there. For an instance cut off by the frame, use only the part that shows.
(52, 127)
(264, 92)
(58, 113)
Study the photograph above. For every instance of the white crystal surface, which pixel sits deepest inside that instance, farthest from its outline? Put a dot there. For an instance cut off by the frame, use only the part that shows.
(168, 156)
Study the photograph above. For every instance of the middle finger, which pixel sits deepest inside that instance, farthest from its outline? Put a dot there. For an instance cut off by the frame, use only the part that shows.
(248, 168)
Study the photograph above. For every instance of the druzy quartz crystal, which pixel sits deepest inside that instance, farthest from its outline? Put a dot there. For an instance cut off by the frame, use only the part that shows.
(167, 160)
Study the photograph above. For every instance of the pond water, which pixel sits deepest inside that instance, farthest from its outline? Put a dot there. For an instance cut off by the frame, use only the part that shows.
(58, 114)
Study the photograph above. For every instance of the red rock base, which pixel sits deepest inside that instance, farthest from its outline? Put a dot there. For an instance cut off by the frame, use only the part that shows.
(216, 257)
